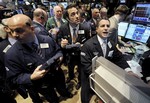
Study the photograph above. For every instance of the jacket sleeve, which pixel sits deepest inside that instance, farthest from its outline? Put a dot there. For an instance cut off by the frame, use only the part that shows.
(86, 59)
(15, 69)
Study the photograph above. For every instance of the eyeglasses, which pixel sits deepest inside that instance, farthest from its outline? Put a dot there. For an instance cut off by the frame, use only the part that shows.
(17, 30)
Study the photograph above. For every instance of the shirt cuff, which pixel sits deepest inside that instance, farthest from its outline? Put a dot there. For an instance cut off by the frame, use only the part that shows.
(128, 70)
(147, 78)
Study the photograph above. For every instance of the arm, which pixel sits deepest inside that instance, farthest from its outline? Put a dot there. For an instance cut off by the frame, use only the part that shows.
(86, 59)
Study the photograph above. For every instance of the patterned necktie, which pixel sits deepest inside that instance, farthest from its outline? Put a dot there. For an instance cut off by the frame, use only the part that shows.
(58, 23)
(37, 49)
(104, 47)
(74, 35)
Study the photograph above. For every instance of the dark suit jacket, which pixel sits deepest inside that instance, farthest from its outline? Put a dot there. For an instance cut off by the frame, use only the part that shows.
(91, 48)
(39, 29)
(93, 27)
(64, 32)
(3, 45)
(21, 60)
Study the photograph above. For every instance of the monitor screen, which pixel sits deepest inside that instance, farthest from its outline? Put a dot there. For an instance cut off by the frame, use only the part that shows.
(19, 11)
(65, 4)
(122, 28)
(142, 13)
(122, 1)
(138, 33)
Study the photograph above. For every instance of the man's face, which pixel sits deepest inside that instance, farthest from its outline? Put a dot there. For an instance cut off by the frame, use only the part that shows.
(22, 33)
(73, 15)
(58, 12)
(103, 28)
(96, 13)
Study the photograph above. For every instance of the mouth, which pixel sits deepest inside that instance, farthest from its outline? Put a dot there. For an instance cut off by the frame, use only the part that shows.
(105, 33)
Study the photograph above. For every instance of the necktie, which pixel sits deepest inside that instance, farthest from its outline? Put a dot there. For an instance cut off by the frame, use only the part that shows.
(58, 23)
(74, 35)
(104, 47)
(37, 49)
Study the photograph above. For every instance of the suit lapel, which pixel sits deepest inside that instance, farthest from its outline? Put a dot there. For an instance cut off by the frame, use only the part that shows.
(97, 46)
(68, 32)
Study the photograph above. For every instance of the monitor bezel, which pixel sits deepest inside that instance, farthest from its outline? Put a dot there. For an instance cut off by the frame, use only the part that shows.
(133, 39)
(140, 22)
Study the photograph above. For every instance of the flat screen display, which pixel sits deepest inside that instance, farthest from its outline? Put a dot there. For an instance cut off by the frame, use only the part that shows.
(138, 33)
(65, 4)
(122, 1)
(122, 28)
(142, 14)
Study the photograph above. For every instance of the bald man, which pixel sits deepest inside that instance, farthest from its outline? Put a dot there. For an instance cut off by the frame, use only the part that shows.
(40, 17)
(56, 21)
(23, 61)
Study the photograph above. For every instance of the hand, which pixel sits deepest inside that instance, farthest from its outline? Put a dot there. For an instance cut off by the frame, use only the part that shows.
(38, 73)
(133, 74)
(54, 31)
(64, 42)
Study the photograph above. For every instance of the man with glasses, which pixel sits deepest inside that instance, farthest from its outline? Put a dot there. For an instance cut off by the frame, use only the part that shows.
(6, 94)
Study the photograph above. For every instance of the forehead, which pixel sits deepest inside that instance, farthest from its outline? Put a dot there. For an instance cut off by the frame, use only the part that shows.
(103, 21)
(71, 10)
(58, 8)
(96, 10)
(17, 21)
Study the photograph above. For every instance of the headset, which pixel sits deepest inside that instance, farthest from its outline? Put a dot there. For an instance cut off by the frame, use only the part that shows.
(42, 15)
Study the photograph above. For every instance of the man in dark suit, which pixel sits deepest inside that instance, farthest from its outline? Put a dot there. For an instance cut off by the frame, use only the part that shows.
(98, 45)
(39, 19)
(6, 93)
(93, 20)
(23, 62)
(72, 33)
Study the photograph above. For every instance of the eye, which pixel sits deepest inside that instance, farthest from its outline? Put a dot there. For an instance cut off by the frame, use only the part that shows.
(19, 30)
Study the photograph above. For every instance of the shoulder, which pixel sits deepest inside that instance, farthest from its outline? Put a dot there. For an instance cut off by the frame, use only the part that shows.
(51, 19)
(90, 41)
(14, 50)
(45, 38)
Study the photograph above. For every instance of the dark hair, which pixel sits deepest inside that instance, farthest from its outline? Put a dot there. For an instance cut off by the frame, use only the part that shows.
(102, 18)
(122, 9)
(66, 15)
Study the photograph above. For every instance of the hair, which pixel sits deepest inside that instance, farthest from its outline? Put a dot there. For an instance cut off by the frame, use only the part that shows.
(103, 18)
(39, 13)
(122, 9)
(66, 15)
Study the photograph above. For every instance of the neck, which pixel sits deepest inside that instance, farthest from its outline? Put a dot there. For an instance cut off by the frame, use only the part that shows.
(73, 25)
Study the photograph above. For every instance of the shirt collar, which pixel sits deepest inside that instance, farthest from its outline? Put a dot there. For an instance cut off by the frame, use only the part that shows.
(12, 40)
(100, 40)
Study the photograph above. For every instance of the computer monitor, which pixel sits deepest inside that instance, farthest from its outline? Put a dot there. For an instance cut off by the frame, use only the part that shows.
(122, 28)
(19, 11)
(122, 1)
(141, 14)
(139, 33)
(65, 4)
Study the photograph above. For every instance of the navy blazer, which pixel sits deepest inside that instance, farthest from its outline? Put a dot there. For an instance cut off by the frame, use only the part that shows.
(39, 29)
(3, 45)
(64, 32)
(92, 48)
(21, 60)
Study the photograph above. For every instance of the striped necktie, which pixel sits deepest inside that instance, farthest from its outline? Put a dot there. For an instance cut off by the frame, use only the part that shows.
(74, 35)
(104, 47)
